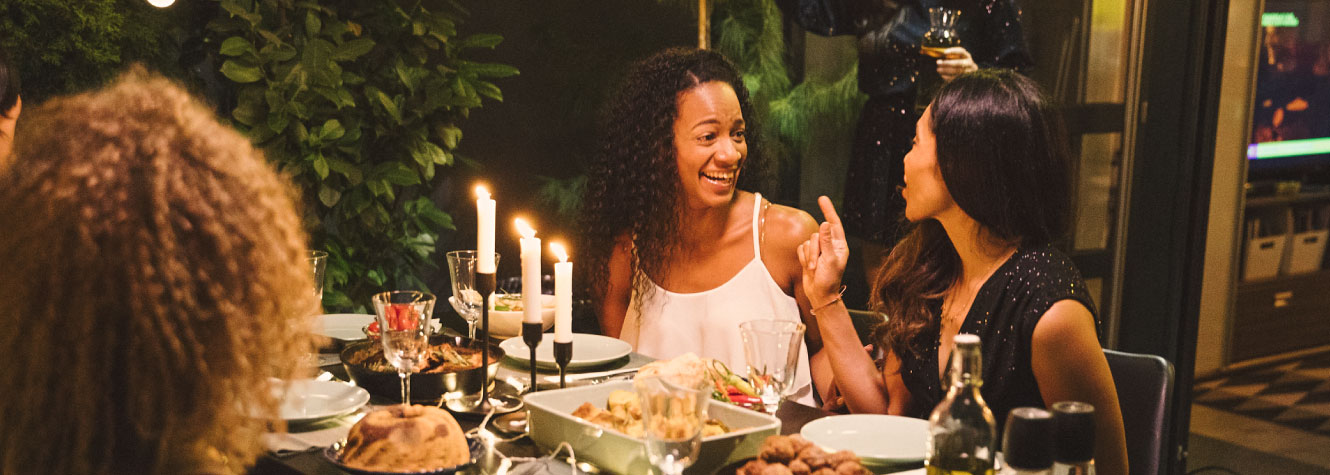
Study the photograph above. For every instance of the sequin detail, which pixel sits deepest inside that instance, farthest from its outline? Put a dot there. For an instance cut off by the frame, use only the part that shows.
(1004, 314)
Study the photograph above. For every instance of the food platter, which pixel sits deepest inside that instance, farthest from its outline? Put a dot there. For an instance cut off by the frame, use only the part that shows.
(333, 454)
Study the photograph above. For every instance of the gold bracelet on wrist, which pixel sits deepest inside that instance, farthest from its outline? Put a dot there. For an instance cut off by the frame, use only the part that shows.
(840, 294)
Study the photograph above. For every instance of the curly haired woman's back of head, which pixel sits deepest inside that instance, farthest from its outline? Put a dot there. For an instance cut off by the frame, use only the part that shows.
(154, 280)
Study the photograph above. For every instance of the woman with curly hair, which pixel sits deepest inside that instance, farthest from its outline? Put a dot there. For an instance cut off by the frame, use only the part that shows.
(678, 256)
(987, 187)
(154, 280)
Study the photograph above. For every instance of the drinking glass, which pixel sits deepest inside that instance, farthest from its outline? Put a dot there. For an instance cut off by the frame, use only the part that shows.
(318, 263)
(465, 300)
(403, 317)
(673, 414)
(771, 348)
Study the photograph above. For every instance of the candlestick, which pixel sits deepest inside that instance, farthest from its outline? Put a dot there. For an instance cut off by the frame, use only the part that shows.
(484, 232)
(531, 325)
(563, 295)
(563, 353)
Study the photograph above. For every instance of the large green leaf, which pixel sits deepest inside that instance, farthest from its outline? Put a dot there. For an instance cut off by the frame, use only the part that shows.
(236, 46)
(482, 41)
(353, 49)
(240, 73)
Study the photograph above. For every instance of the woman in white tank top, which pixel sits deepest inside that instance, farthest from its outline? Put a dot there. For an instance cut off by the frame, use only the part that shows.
(676, 256)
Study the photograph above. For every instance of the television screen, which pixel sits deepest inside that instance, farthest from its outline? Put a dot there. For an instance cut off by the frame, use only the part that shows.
(1291, 114)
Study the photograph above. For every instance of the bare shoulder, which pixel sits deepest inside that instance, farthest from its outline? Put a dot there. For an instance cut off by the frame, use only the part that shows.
(788, 227)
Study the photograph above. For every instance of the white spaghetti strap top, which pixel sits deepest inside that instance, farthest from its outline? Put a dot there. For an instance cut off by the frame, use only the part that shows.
(668, 324)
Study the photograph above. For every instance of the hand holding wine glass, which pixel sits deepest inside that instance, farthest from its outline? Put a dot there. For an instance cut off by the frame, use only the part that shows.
(403, 317)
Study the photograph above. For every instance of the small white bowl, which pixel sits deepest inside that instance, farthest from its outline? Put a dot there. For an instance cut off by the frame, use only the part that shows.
(505, 323)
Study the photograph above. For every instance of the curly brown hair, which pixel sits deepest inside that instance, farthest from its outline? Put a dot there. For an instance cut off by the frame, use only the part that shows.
(632, 190)
(155, 278)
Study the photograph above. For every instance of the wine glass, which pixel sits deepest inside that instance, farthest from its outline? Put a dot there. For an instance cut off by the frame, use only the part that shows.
(673, 413)
(403, 317)
(465, 300)
(771, 348)
(318, 263)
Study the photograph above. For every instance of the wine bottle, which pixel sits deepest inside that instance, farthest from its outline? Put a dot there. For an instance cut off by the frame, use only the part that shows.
(961, 430)
(1027, 445)
(1074, 422)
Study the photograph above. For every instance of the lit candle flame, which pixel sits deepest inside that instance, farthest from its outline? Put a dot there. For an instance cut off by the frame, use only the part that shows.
(558, 251)
(482, 193)
(524, 229)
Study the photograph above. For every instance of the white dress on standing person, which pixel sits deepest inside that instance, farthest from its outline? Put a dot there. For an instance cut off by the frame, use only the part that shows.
(668, 324)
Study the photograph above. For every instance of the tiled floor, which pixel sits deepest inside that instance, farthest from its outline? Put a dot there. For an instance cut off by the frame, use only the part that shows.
(1274, 419)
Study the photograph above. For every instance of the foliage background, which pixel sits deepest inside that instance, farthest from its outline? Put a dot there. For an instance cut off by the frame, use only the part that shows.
(359, 102)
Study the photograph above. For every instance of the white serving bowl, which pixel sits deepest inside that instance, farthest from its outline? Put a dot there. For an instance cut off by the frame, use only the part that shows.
(505, 324)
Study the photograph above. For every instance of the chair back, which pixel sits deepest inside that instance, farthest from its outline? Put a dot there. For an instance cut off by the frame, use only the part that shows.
(864, 323)
(1145, 395)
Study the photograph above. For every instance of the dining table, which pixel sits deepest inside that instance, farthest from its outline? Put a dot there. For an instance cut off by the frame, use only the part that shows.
(299, 450)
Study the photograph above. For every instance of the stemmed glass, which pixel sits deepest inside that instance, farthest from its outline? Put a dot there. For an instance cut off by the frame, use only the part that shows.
(673, 414)
(318, 262)
(403, 317)
(465, 300)
(771, 348)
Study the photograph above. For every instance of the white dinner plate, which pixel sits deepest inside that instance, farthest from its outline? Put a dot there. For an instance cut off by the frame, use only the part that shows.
(588, 350)
(874, 438)
(309, 400)
(344, 326)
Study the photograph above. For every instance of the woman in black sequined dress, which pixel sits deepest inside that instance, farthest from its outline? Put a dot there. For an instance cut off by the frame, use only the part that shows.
(889, 35)
(987, 186)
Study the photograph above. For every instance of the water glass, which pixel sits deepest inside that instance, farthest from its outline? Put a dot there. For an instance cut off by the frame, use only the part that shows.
(771, 348)
(318, 263)
(403, 317)
(465, 300)
(673, 414)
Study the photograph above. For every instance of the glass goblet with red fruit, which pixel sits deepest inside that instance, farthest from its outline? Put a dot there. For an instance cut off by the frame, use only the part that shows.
(403, 320)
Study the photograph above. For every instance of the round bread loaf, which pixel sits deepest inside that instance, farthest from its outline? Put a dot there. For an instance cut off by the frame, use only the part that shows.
(406, 438)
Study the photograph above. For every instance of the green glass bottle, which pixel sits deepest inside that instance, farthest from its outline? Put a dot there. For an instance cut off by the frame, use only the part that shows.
(962, 433)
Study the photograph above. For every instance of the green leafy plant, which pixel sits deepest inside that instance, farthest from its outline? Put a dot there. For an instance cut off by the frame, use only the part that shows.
(62, 46)
(360, 103)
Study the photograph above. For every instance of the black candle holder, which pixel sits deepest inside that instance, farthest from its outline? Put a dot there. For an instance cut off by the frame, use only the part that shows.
(485, 284)
(563, 353)
(531, 334)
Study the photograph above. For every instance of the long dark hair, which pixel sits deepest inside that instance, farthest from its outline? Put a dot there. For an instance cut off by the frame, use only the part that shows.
(1002, 151)
(632, 188)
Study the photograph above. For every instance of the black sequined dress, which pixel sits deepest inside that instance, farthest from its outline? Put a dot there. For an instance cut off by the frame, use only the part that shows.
(1004, 314)
(889, 34)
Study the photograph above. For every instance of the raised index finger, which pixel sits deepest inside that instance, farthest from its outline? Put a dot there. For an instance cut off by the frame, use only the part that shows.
(829, 213)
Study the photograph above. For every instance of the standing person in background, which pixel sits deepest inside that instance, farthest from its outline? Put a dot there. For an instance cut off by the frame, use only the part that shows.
(10, 105)
(890, 63)
(677, 253)
(154, 280)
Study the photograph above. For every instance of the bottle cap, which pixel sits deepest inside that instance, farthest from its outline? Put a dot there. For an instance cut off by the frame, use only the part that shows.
(1075, 431)
(1028, 441)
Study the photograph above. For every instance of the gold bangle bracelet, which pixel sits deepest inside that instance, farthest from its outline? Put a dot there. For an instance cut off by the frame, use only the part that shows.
(840, 294)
